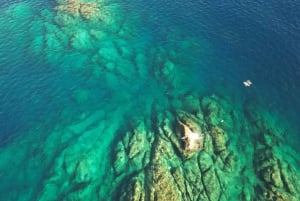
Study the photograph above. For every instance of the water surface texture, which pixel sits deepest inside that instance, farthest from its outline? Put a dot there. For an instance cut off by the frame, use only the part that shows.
(145, 100)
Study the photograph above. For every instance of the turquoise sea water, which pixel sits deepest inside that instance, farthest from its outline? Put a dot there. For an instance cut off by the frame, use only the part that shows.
(86, 88)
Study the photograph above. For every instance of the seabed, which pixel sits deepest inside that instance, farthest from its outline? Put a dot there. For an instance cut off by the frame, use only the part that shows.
(155, 138)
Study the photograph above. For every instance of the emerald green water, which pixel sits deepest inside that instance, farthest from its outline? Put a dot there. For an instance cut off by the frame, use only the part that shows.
(92, 93)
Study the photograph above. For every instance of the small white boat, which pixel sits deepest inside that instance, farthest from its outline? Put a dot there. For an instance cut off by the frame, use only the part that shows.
(247, 83)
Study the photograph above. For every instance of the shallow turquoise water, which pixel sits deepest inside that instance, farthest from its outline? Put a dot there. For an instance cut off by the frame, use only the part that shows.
(65, 78)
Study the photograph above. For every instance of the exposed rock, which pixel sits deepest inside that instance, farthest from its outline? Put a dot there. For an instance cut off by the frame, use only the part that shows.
(190, 132)
(193, 139)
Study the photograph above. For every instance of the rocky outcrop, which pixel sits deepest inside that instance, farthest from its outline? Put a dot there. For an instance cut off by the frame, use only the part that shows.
(190, 132)
(177, 169)
(86, 10)
(149, 160)
(146, 159)
(210, 171)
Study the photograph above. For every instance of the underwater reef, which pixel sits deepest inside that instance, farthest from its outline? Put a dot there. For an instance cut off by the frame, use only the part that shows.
(155, 138)
(240, 155)
(154, 163)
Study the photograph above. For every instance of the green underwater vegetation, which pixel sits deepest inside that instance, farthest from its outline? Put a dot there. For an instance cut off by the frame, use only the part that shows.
(157, 137)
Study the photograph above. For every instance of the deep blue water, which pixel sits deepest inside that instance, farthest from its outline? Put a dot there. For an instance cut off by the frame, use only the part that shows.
(258, 40)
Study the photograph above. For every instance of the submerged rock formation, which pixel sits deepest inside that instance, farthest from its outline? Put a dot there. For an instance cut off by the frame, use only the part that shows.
(210, 170)
(87, 10)
(274, 166)
(147, 159)
(176, 170)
